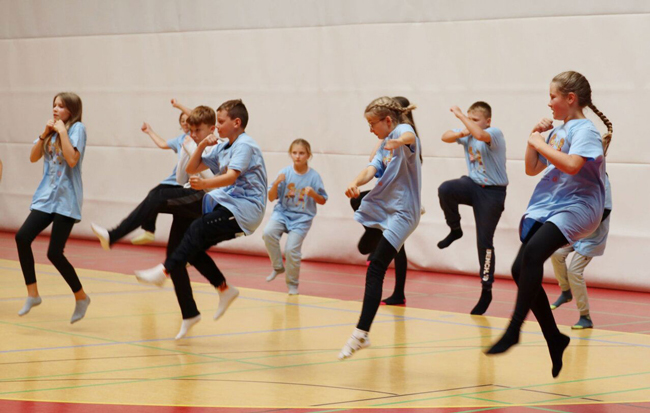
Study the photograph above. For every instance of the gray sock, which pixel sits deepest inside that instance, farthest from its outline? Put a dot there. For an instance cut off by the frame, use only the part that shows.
(80, 308)
(29, 303)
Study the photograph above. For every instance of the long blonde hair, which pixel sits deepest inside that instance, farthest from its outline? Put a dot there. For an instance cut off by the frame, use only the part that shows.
(574, 82)
(72, 102)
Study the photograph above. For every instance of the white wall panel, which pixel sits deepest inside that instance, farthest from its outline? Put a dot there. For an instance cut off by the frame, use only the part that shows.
(307, 69)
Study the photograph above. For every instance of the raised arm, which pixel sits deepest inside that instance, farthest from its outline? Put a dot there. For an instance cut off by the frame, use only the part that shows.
(363, 178)
(37, 150)
(531, 159)
(181, 107)
(407, 138)
(570, 164)
(475, 130)
(160, 142)
(70, 153)
(195, 164)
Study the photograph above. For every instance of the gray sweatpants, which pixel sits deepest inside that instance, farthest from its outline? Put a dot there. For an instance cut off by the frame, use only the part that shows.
(292, 250)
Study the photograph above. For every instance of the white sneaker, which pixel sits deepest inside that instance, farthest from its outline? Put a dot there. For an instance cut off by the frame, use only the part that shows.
(293, 290)
(102, 234)
(155, 275)
(226, 297)
(358, 340)
(144, 238)
(274, 274)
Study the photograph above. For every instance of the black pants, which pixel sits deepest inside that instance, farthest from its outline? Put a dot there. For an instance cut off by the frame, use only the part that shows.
(368, 243)
(35, 223)
(527, 271)
(488, 204)
(144, 215)
(188, 242)
(379, 261)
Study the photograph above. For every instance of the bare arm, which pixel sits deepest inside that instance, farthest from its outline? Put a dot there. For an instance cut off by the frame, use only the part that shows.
(195, 164)
(160, 142)
(70, 153)
(570, 164)
(450, 136)
(218, 181)
(37, 150)
(531, 160)
(273, 192)
(363, 178)
(181, 107)
(475, 130)
(407, 138)
(374, 151)
(320, 200)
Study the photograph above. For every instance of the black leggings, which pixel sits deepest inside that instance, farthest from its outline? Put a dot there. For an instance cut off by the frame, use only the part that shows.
(35, 223)
(527, 271)
(379, 261)
(368, 243)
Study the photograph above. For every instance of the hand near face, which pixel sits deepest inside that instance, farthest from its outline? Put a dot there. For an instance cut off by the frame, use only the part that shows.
(59, 126)
(456, 111)
(543, 125)
(49, 127)
(210, 140)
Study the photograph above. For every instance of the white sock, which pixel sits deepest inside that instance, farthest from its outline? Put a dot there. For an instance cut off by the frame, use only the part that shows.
(274, 274)
(226, 297)
(358, 340)
(29, 303)
(186, 325)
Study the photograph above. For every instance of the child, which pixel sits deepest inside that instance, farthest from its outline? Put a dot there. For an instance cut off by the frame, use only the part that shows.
(234, 208)
(572, 281)
(567, 204)
(371, 236)
(290, 214)
(57, 200)
(393, 205)
(484, 190)
(145, 214)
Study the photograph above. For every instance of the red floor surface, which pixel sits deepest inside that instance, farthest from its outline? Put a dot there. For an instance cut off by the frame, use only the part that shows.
(615, 310)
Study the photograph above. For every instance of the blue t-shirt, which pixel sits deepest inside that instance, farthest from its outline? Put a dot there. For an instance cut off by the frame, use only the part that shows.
(486, 162)
(574, 203)
(393, 205)
(61, 189)
(174, 144)
(295, 209)
(246, 198)
(594, 244)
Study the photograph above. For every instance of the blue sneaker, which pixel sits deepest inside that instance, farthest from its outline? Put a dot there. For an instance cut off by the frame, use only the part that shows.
(564, 298)
(583, 322)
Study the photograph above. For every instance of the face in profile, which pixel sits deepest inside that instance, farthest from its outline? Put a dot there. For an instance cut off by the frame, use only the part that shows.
(380, 127)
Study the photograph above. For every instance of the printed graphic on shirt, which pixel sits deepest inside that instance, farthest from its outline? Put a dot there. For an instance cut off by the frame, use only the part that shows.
(386, 159)
(296, 195)
(476, 160)
(557, 144)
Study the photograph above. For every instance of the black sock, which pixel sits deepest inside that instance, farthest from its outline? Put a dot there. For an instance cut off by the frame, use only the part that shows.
(483, 303)
(453, 236)
(556, 349)
(509, 339)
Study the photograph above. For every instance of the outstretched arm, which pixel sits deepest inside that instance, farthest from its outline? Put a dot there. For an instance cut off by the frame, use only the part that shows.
(181, 107)
(160, 142)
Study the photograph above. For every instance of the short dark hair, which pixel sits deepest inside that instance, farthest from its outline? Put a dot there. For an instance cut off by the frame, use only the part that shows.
(202, 114)
(480, 105)
(235, 109)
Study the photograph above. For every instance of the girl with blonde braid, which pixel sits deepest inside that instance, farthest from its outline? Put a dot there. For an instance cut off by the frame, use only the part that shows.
(566, 206)
(393, 205)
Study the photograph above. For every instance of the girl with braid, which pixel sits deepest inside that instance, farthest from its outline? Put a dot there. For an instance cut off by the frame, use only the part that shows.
(371, 236)
(392, 206)
(567, 204)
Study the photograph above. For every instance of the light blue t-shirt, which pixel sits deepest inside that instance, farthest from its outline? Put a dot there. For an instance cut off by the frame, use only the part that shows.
(594, 244)
(61, 189)
(393, 205)
(295, 209)
(174, 144)
(486, 162)
(574, 203)
(246, 198)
